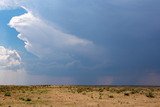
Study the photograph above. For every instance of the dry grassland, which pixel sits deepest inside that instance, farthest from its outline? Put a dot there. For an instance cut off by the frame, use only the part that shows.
(79, 96)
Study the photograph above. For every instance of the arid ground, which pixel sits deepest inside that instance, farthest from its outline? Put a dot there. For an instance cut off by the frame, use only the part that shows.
(79, 96)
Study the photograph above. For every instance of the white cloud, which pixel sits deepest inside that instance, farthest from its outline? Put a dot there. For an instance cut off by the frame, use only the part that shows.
(9, 4)
(43, 40)
(11, 71)
(9, 59)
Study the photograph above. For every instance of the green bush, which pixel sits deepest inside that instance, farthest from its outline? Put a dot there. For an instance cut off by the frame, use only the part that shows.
(7, 94)
(150, 95)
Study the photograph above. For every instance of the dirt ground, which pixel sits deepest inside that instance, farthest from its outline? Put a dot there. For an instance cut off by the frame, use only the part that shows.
(79, 96)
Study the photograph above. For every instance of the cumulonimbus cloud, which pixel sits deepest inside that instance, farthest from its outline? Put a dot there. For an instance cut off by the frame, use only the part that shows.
(56, 49)
(43, 40)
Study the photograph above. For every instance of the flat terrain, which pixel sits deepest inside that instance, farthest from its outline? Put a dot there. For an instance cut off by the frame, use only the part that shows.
(79, 96)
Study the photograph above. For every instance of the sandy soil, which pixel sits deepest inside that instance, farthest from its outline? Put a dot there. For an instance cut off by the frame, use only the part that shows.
(79, 96)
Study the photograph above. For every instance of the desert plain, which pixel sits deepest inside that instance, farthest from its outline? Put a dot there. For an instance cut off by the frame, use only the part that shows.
(79, 96)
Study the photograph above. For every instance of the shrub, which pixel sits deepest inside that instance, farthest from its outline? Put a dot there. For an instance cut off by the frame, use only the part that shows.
(25, 99)
(100, 97)
(126, 93)
(84, 93)
(101, 89)
(79, 90)
(92, 96)
(21, 98)
(110, 96)
(150, 95)
(7, 94)
(28, 99)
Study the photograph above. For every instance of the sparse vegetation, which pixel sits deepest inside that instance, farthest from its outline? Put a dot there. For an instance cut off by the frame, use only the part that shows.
(25, 99)
(101, 89)
(100, 95)
(150, 95)
(92, 96)
(21, 98)
(127, 93)
(48, 95)
(110, 96)
(7, 94)
(84, 93)
(28, 99)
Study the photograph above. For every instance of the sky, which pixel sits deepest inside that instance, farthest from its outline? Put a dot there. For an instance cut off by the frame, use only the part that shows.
(80, 42)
